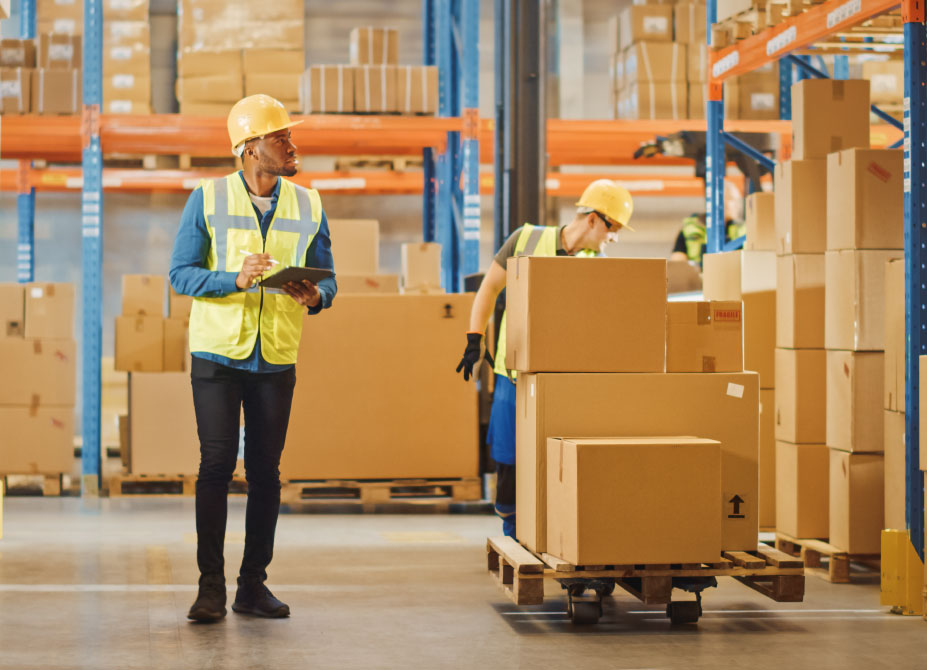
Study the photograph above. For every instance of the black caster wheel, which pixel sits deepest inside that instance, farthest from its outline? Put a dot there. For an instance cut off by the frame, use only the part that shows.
(585, 613)
(607, 589)
(684, 612)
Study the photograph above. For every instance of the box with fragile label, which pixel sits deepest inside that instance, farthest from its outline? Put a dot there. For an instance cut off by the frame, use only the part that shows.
(856, 501)
(44, 372)
(800, 301)
(645, 22)
(12, 310)
(375, 89)
(59, 52)
(654, 62)
(417, 89)
(829, 115)
(37, 440)
(886, 81)
(421, 265)
(802, 499)
(895, 371)
(326, 89)
(767, 495)
(690, 20)
(854, 312)
(50, 311)
(801, 396)
(760, 222)
(142, 295)
(704, 337)
(854, 413)
(374, 46)
(56, 91)
(554, 302)
(127, 86)
(653, 101)
(801, 207)
(374, 283)
(15, 90)
(139, 343)
(356, 245)
(668, 489)
(17, 53)
(895, 469)
(865, 199)
(277, 61)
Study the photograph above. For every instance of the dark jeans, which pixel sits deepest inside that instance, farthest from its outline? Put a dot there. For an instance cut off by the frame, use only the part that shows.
(219, 393)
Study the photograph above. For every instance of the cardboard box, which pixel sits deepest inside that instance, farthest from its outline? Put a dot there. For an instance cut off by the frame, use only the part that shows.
(175, 344)
(126, 107)
(48, 9)
(761, 222)
(690, 23)
(15, 90)
(208, 63)
(61, 25)
(178, 306)
(682, 277)
(327, 88)
(758, 96)
(12, 310)
(667, 488)
(854, 413)
(829, 115)
(802, 483)
(800, 301)
(128, 59)
(374, 46)
(43, 370)
(49, 311)
(375, 283)
(865, 199)
(728, 8)
(801, 207)
(127, 86)
(729, 275)
(854, 314)
(375, 89)
(142, 295)
(227, 32)
(760, 335)
(220, 109)
(273, 61)
(282, 86)
(895, 370)
(653, 101)
(56, 91)
(767, 494)
(139, 343)
(37, 440)
(895, 470)
(421, 265)
(697, 104)
(417, 89)
(385, 398)
(17, 53)
(125, 10)
(801, 396)
(660, 62)
(722, 407)
(886, 80)
(127, 32)
(555, 302)
(704, 337)
(158, 446)
(653, 23)
(697, 62)
(59, 52)
(356, 245)
(856, 501)
(224, 88)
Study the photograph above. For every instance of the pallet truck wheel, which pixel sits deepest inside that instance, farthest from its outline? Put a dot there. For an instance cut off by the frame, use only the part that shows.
(608, 589)
(586, 613)
(684, 612)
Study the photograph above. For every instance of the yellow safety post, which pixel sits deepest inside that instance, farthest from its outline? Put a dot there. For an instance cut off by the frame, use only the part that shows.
(902, 574)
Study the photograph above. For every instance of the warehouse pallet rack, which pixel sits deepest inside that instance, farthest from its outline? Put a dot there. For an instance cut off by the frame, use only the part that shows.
(828, 27)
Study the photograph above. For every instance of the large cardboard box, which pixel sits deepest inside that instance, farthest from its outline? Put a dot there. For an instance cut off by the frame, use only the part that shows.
(886, 80)
(854, 413)
(375, 89)
(355, 245)
(56, 91)
(133, 58)
(652, 23)
(666, 488)
(139, 343)
(800, 301)
(421, 265)
(682, 277)
(179, 306)
(127, 86)
(270, 60)
(895, 470)
(142, 295)
(767, 494)
(284, 86)
(661, 62)
(37, 440)
(801, 207)
(417, 89)
(653, 101)
(374, 46)
(758, 95)
(854, 314)
(206, 63)
(17, 53)
(722, 407)
(225, 88)
(12, 310)
(552, 303)
(15, 90)
(731, 274)
(49, 311)
(760, 336)
(219, 109)
(39, 373)
(856, 501)
(728, 8)
(865, 199)
(829, 115)
(175, 344)
(57, 51)
(690, 23)
(697, 62)
(377, 283)
(162, 447)
(895, 370)
(761, 222)
(802, 498)
(697, 103)
(327, 89)
(704, 337)
(801, 396)
(125, 10)
(383, 407)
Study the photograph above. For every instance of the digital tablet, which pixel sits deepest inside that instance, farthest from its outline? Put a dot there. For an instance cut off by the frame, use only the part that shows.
(295, 273)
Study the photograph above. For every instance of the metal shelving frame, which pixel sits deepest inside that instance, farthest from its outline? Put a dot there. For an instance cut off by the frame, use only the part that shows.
(802, 31)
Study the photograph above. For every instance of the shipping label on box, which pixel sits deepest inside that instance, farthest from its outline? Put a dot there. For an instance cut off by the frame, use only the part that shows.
(895, 371)
(49, 311)
(139, 343)
(854, 312)
(801, 396)
(800, 301)
(417, 89)
(704, 337)
(895, 469)
(854, 413)
(56, 91)
(645, 22)
(37, 440)
(829, 115)
(760, 222)
(374, 46)
(44, 371)
(802, 483)
(375, 89)
(767, 491)
(12, 310)
(142, 295)
(801, 207)
(375, 283)
(125, 10)
(15, 90)
(127, 86)
(356, 245)
(661, 62)
(17, 53)
(326, 89)
(59, 52)
(856, 501)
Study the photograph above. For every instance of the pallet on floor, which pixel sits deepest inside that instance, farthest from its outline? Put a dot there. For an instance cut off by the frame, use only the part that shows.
(814, 552)
(124, 485)
(32, 484)
(369, 492)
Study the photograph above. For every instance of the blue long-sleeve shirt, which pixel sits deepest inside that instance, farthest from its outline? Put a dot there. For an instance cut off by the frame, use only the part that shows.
(189, 274)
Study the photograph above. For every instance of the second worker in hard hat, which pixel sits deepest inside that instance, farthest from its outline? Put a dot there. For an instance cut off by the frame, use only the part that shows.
(244, 339)
(603, 209)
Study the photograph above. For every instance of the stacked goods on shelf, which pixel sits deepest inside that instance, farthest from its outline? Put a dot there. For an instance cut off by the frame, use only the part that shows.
(690, 21)
(126, 57)
(421, 268)
(38, 351)
(17, 67)
(374, 55)
(65, 17)
(616, 390)
(209, 82)
(146, 340)
(274, 72)
(753, 96)
(56, 83)
(886, 83)
(356, 249)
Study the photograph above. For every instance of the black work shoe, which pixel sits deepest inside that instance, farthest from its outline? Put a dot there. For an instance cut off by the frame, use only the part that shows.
(210, 602)
(255, 598)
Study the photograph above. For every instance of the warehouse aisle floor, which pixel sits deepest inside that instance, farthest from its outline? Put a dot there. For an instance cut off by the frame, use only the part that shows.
(107, 584)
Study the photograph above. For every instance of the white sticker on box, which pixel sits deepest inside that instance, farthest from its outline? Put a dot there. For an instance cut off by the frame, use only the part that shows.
(10, 88)
(120, 106)
(123, 80)
(13, 56)
(120, 53)
(37, 292)
(532, 389)
(60, 52)
(883, 83)
(655, 24)
(65, 2)
(121, 4)
(735, 390)
(66, 26)
(762, 101)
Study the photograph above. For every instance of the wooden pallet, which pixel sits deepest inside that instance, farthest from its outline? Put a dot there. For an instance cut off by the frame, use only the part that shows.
(124, 485)
(188, 162)
(140, 161)
(394, 163)
(32, 485)
(370, 492)
(814, 552)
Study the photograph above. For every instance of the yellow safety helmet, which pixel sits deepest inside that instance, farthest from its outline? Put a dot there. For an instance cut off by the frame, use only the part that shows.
(608, 198)
(256, 116)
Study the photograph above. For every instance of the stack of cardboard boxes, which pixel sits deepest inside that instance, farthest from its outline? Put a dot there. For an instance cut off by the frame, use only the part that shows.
(56, 83)
(38, 358)
(356, 249)
(605, 425)
(126, 57)
(146, 340)
(17, 69)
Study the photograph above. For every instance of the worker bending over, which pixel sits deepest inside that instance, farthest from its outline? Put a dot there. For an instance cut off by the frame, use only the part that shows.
(603, 210)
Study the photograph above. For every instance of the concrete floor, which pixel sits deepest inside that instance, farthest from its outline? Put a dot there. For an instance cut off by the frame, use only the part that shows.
(107, 585)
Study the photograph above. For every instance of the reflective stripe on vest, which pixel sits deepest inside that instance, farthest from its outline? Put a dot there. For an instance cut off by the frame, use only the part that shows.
(229, 326)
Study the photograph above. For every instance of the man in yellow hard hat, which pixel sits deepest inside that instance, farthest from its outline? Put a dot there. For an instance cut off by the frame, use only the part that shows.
(603, 209)
(234, 232)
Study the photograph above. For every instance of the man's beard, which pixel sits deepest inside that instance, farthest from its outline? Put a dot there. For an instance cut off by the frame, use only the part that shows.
(277, 169)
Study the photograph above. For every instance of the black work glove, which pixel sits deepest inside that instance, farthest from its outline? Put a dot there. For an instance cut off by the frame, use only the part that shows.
(472, 355)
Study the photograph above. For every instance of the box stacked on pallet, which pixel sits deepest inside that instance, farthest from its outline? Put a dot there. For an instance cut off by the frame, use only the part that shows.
(17, 67)
(126, 57)
(56, 83)
(37, 350)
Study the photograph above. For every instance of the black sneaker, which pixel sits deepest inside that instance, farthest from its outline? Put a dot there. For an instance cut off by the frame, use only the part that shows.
(254, 598)
(210, 602)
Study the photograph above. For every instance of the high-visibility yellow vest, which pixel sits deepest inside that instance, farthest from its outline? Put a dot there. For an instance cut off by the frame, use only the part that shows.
(696, 236)
(532, 241)
(229, 326)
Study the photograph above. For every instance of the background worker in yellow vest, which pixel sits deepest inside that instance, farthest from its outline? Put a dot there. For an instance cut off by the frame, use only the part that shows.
(692, 241)
(243, 338)
(603, 209)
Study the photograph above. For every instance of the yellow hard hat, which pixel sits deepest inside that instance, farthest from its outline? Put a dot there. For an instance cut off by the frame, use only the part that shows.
(608, 198)
(256, 116)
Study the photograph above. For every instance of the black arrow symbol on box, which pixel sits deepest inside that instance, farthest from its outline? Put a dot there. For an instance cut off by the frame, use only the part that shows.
(737, 501)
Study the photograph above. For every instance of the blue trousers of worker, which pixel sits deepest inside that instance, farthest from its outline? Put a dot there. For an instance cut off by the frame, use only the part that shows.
(501, 439)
